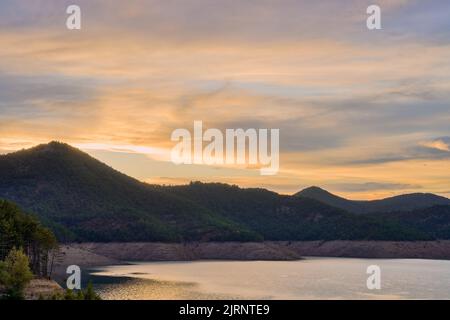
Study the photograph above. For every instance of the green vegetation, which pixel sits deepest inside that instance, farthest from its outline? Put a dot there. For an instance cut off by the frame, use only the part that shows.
(87, 294)
(82, 199)
(38, 248)
(15, 274)
(21, 230)
(34, 258)
(278, 217)
(434, 221)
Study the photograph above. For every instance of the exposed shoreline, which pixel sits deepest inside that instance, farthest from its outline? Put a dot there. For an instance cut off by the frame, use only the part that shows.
(91, 255)
(97, 254)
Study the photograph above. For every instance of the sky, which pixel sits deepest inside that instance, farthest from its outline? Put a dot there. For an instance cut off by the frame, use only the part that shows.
(362, 113)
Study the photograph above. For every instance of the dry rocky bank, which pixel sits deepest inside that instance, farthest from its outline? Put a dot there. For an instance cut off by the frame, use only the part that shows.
(96, 254)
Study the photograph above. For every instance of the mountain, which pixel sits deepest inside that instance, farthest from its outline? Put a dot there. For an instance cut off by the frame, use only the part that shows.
(434, 221)
(324, 196)
(82, 199)
(406, 202)
(281, 217)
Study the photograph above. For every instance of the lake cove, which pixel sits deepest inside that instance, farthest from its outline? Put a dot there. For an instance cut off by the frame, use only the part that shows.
(191, 310)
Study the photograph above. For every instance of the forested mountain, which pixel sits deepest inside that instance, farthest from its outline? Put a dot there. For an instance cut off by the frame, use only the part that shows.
(83, 199)
(281, 217)
(406, 202)
(434, 221)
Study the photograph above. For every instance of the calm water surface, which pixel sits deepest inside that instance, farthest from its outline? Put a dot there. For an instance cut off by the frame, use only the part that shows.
(312, 278)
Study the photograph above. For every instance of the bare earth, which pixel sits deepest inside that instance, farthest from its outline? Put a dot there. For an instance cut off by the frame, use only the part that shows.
(97, 254)
(42, 288)
(73, 255)
(38, 289)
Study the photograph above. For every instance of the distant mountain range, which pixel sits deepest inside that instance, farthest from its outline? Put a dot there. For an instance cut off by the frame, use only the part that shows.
(406, 202)
(82, 199)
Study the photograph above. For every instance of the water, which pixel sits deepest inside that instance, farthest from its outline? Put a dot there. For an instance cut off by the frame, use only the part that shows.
(312, 278)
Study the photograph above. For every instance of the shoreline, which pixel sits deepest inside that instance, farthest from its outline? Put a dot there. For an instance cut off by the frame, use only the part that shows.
(97, 254)
(91, 255)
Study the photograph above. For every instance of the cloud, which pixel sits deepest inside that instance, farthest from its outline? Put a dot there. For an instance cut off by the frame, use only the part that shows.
(256, 20)
(426, 150)
(373, 186)
(441, 144)
(28, 94)
(346, 99)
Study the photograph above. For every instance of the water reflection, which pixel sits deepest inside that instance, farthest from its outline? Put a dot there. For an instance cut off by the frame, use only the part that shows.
(316, 278)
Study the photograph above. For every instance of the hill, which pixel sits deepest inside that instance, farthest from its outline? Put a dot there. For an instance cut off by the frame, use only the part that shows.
(434, 221)
(281, 217)
(406, 202)
(82, 199)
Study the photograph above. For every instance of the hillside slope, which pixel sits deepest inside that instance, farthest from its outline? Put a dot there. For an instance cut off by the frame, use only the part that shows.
(406, 202)
(82, 199)
(280, 217)
(434, 221)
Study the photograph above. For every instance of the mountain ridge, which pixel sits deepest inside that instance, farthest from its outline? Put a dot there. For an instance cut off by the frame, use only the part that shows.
(56, 177)
(404, 202)
(83, 199)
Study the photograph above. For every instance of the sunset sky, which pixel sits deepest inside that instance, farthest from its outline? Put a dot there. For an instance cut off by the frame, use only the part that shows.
(364, 114)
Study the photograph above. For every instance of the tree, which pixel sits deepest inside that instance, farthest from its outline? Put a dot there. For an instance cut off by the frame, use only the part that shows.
(69, 295)
(21, 230)
(80, 295)
(90, 294)
(15, 273)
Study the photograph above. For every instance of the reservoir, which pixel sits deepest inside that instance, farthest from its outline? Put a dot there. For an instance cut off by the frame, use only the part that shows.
(311, 278)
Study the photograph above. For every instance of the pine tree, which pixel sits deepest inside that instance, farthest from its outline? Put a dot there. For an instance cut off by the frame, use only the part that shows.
(80, 295)
(15, 273)
(69, 295)
(90, 294)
